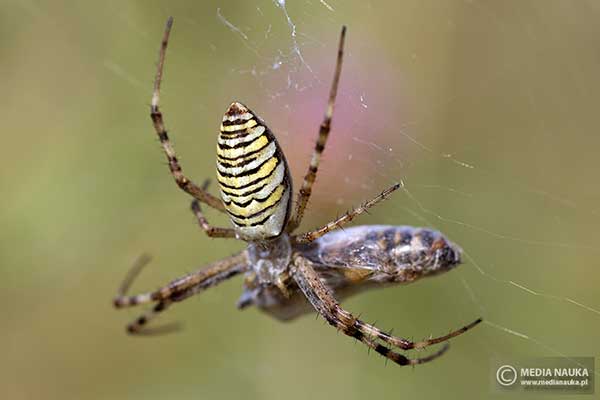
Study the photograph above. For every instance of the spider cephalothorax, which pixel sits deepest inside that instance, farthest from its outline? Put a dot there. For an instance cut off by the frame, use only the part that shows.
(288, 274)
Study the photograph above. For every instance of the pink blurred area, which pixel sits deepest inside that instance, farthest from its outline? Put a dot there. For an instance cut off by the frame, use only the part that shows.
(371, 109)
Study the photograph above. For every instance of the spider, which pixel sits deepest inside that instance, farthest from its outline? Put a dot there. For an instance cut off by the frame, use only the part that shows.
(286, 273)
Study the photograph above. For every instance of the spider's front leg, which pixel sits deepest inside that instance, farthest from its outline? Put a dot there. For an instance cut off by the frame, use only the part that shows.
(327, 306)
(178, 290)
(157, 119)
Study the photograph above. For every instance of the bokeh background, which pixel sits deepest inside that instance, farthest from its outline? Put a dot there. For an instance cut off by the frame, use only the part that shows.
(486, 110)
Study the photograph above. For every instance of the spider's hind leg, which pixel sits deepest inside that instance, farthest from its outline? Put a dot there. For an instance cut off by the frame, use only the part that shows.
(157, 120)
(311, 174)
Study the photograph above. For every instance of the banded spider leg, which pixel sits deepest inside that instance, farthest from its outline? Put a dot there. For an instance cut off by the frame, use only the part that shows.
(324, 129)
(157, 120)
(211, 231)
(327, 306)
(178, 290)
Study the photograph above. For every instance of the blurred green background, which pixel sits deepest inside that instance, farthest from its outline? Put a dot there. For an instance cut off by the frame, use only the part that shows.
(487, 111)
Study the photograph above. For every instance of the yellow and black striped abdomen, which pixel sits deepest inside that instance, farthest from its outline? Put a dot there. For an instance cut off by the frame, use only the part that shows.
(253, 175)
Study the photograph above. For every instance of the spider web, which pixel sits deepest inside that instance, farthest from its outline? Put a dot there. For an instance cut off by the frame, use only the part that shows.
(386, 130)
(369, 156)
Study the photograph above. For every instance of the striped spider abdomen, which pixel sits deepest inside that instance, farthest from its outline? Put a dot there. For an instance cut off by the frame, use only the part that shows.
(253, 175)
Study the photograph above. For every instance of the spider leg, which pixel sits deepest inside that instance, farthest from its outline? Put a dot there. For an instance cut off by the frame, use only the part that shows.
(136, 326)
(132, 274)
(157, 119)
(183, 287)
(178, 290)
(211, 231)
(346, 218)
(311, 174)
(325, 303)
